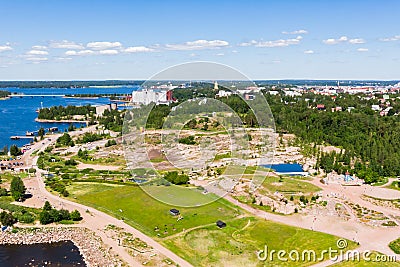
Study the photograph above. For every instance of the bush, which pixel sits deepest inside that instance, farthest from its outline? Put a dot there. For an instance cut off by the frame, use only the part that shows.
(175, 178)
(3, 192)
(189, 140)
(64, 214)
(75, 216)
(25, 217)
(110, 143)
(70, 162)
(7, 218)
(45, 217)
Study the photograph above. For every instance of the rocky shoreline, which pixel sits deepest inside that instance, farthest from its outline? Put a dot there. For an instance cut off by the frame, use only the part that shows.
(90, 246)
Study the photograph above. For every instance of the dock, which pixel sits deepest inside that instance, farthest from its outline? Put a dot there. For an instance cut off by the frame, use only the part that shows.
(17, 137)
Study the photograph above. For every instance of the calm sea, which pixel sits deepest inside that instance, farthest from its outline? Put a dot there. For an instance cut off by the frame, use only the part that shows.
(63, 253)
(17, 115)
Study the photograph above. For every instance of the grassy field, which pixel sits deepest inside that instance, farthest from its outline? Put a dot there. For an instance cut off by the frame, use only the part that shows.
(196, 237)
(372, 263)
(238, 243)
(288, 185)
(145, 213)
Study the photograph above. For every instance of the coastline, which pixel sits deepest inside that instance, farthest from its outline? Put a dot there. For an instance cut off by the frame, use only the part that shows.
(60, 121)
(82, 97)
(90, 246)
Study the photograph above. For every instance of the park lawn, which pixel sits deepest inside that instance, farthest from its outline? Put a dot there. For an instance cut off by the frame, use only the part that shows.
(237, 244)
(288, 186)
(364, 263)
(146, 213)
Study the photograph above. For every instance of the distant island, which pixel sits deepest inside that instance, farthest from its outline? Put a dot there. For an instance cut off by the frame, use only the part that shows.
(66, 84)
(117, 83)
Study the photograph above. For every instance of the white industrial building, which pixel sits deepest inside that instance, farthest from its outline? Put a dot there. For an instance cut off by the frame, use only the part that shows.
(145, 97)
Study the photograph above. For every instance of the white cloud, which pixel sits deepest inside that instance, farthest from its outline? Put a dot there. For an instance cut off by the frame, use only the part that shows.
(138, 49)
(79, 53)
(38, 53)
(309, 52)
(220, 54)
(344, 39)
(64, 44)
(357, 41)
(252, 42)
(37, 58)
(63, 58)
(275, 43)
(39, 47)
(391, 39)
(198, 45)
(362, 49)
(296, 32)
(333, 41)
(5, 48)
(108, 52)
(103, 45)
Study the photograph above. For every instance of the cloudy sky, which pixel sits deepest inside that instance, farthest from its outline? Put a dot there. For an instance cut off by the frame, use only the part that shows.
(67, 40)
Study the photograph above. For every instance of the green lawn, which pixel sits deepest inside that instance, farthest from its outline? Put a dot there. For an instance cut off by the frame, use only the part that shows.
(289, 185)
(196, 237)
(145, 213)
(237, 244)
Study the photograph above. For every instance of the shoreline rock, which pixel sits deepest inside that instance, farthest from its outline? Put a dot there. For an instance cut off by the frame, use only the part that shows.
(90, 246)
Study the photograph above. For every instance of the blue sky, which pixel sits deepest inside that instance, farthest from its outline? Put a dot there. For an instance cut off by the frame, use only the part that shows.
(66, 40)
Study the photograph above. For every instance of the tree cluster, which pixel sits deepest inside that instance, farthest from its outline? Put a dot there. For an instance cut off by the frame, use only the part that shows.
(175, 178)
(61, 112)
(50, 214)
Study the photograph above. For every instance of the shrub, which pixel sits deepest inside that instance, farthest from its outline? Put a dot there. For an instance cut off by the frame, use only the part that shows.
(3, 192)
(75, 215)
(7, 218)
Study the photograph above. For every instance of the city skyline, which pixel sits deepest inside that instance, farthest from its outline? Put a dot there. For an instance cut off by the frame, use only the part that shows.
(72, 40)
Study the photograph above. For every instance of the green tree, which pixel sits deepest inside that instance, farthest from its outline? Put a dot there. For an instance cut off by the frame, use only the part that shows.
(15, 151)
(17, 188)
(47, 206)
(7, 218)
(64, 214)
(45, 218)
(41, 132)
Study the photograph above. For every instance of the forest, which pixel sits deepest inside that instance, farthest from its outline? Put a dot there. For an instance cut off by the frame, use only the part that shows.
(60, 112)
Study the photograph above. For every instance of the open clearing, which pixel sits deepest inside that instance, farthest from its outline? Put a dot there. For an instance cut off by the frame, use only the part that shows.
(196, 237)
